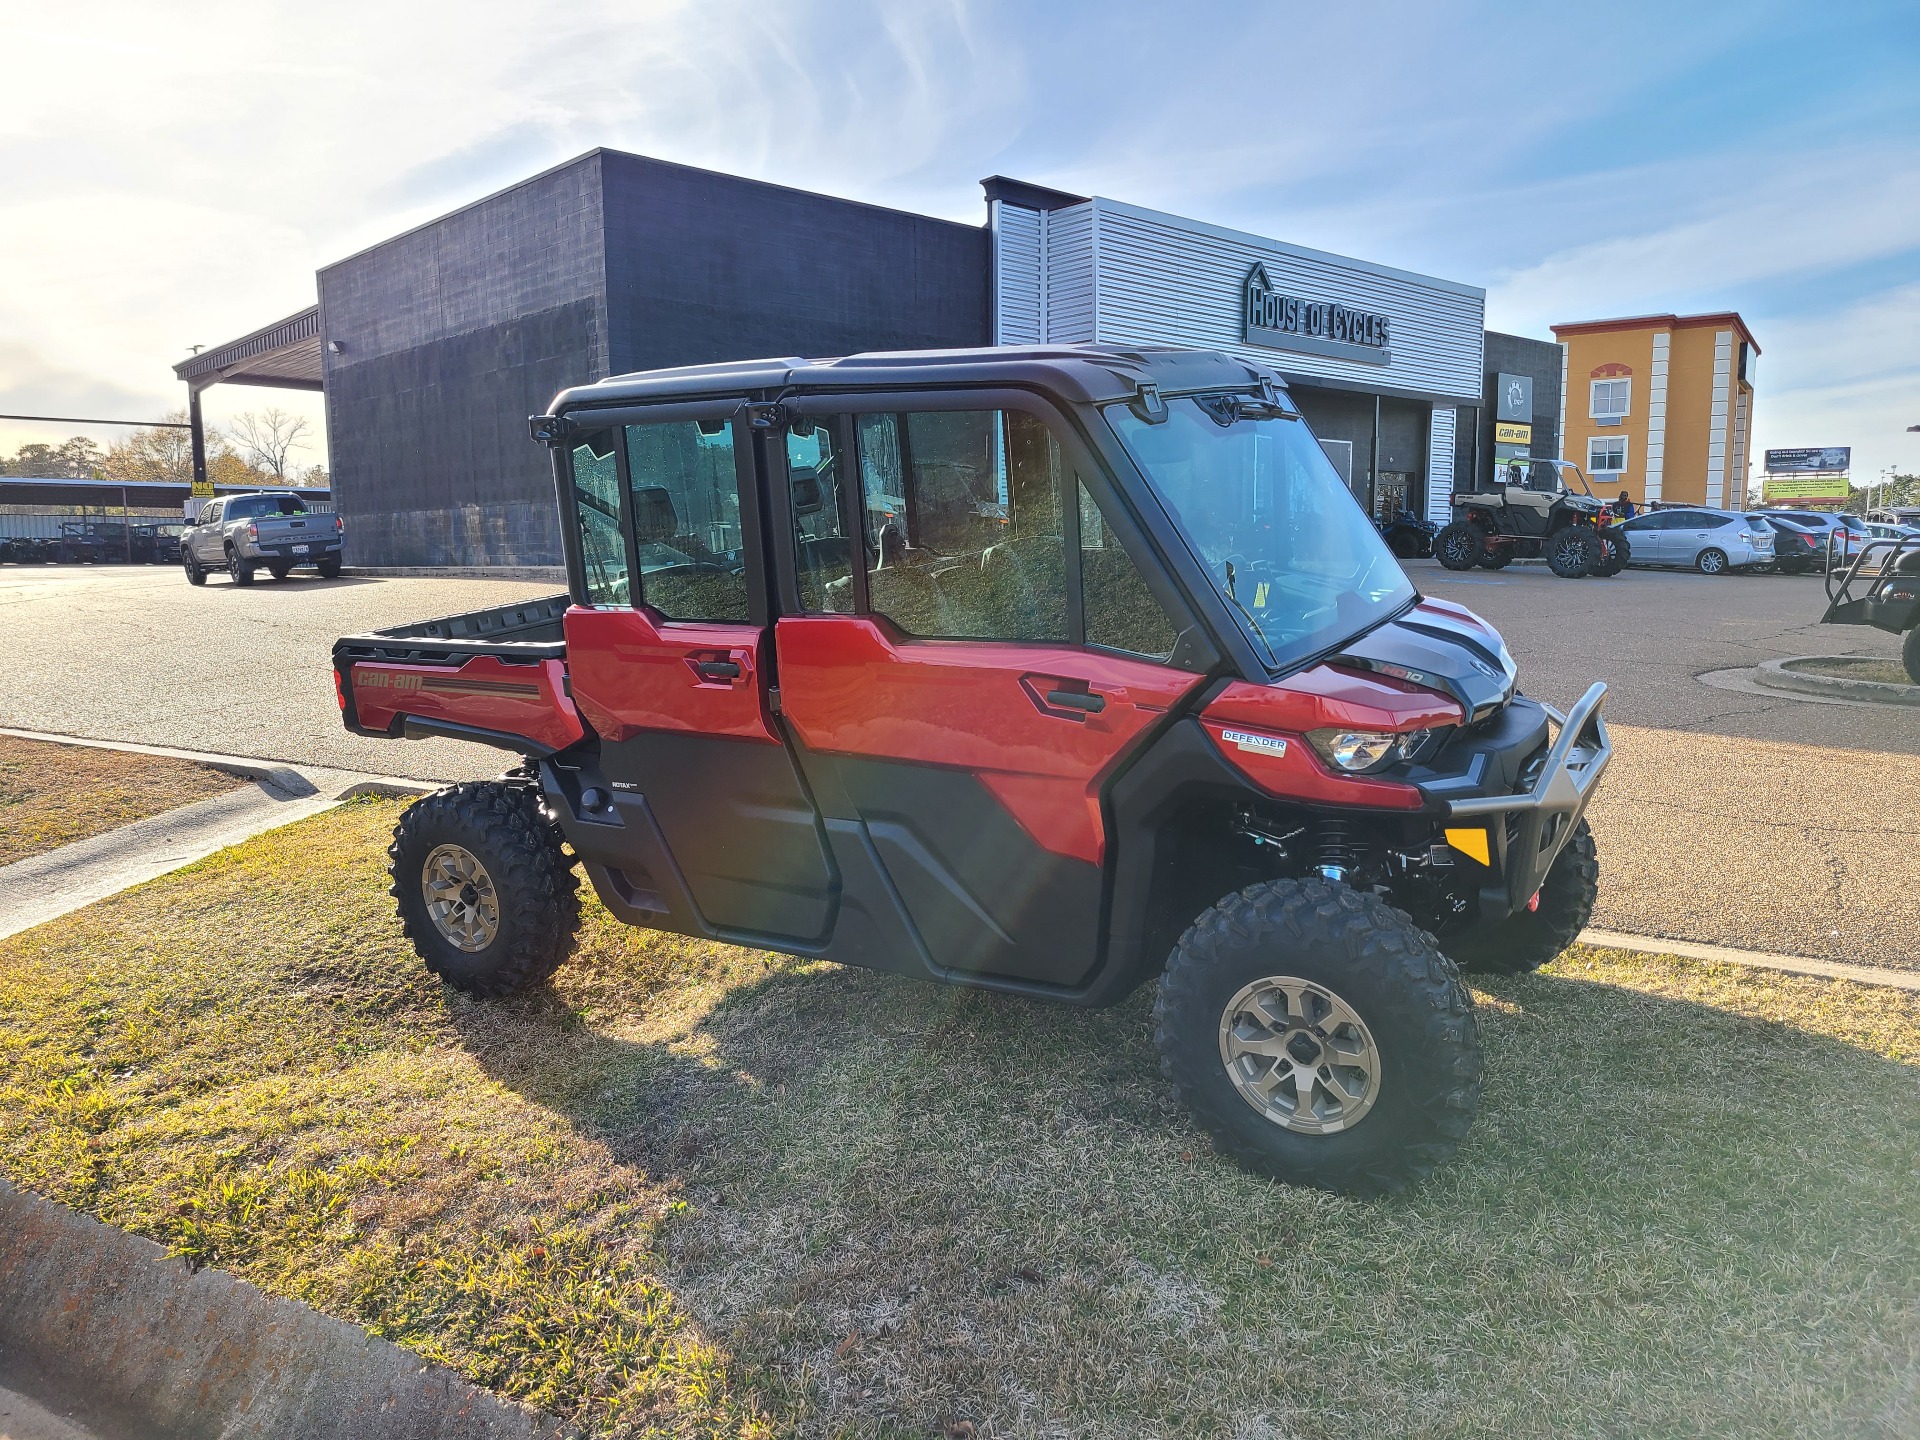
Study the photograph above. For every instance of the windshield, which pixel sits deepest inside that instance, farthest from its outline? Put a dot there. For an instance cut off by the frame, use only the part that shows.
(252, 507)
(1281, 536)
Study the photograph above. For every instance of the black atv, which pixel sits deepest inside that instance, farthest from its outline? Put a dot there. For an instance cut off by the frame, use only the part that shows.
(1407, 535)
(1543, 508)
(1890, 599)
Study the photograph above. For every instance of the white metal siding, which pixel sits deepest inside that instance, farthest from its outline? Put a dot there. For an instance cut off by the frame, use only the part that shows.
(1019, 274)
(1440, 464)
(1071, 277)
(1657, 416)
(1562, 431)
(1717, 419)
(1165, 280)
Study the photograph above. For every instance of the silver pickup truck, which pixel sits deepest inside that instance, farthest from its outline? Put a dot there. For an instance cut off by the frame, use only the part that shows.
(240, 533)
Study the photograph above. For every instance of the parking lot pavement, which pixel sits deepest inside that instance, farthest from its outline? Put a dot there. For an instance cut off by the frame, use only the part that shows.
(135, 653)
(1729, 818)
(1650, 633)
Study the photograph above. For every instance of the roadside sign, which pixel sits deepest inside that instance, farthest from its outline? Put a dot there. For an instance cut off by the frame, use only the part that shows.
(1827, 460)
(1789, 488)
(203, 489)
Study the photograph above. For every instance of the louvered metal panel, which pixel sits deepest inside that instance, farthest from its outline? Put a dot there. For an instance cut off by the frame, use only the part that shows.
(1440, 436)
(1166, 280)
(1018, 275)
(1070, 276)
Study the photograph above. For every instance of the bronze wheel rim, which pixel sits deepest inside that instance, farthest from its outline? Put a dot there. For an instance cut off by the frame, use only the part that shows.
(1300, 1055)
(460, 897)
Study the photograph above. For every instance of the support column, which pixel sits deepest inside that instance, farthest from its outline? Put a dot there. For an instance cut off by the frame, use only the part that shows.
(197, 428)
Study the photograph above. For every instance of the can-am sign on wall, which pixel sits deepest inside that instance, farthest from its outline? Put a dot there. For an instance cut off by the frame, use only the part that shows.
(1313, 327)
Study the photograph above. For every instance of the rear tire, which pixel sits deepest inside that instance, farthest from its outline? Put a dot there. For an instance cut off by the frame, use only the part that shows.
(1910, 656)
(241, 570)
(195, 575)
(511, 923)
(1572, 552)
(1711, 562)
(1404, 547)
(1531, 938)
(1460, 546)
(1385, 994)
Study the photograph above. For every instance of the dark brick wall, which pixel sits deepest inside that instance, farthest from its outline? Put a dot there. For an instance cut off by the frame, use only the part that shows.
(704, 267)
(1511, 355)
(453, 334)
(1345, 415)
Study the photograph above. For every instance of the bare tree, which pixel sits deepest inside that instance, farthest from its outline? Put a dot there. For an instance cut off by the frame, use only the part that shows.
(157, 454)
(266, 436)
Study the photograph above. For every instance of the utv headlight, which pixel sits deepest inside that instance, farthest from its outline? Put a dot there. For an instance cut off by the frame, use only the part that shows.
(1361, 752)
(1356, 751)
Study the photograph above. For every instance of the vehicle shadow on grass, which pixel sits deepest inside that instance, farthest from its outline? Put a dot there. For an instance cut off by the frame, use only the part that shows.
(917, 1202)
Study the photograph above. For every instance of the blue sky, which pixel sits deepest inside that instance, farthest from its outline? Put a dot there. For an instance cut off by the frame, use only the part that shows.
(175, 174)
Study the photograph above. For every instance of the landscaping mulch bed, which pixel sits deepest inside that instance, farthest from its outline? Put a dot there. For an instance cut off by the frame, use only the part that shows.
(696, 1190)
(52, 795)
(1883, 672)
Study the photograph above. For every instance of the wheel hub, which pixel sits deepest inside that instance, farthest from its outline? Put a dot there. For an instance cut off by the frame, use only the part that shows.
(460, 897)
(1300, 1055)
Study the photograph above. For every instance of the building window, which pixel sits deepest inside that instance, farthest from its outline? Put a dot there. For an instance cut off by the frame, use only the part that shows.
(1611, 398)
(1606, 454)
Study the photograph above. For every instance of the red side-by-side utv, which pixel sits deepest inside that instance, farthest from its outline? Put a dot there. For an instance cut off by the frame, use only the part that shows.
(1048, 671)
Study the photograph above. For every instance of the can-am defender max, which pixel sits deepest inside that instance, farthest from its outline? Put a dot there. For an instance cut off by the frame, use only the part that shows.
(1047, 671)
(1541, 508)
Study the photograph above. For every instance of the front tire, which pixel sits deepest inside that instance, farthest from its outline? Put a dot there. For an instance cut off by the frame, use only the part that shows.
(1529, 939)
(1460, 546)
(1615, 555)
(1910, 656)
(1320, 1037)
(1572, 552)
(195, 575)
(1498, 557)
(485, 893)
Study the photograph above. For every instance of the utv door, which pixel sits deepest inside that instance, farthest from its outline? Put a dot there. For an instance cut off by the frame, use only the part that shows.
(668, 660)
(942, 681)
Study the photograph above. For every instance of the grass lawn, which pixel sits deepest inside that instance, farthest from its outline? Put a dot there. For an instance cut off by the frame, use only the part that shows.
(1886, 672)
(52, 795)
(692, 1190)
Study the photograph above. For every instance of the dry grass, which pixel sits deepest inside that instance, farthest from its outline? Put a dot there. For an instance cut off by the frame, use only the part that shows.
(52, 795)
(696, 1190)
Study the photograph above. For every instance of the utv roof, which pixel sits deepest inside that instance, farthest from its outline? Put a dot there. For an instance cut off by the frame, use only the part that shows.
(1088, 374)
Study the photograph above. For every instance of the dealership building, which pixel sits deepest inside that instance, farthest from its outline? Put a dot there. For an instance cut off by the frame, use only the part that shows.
(433, 347)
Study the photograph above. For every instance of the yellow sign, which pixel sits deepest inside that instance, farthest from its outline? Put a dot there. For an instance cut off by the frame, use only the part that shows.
(203, 489)
(1506, 432)
(1804, 487)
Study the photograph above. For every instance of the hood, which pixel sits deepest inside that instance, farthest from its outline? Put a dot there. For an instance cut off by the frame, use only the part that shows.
(1444, 647)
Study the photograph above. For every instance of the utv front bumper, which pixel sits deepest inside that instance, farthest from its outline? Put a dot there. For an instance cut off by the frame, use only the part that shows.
(1519, 836)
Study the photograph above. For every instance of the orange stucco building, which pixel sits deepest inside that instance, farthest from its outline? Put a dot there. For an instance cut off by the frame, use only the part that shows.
(1660, 406)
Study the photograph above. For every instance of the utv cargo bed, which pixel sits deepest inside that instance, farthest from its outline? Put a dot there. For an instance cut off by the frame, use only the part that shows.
(497, 676)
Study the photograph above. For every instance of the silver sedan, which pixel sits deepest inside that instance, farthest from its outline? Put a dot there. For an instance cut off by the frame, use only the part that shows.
(1710, 541)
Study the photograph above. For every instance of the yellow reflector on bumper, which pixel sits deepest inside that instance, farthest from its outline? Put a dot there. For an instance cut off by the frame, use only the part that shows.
(1471, 842)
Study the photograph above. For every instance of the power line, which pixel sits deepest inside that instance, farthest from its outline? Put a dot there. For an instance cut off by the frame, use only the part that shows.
(75, 420)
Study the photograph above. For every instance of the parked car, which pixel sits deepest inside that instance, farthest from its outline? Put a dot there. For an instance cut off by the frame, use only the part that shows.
(1063, 724)
(240, 533)
(1407, 535)
(1796, 549)
(1710, 541)
(1842, 534)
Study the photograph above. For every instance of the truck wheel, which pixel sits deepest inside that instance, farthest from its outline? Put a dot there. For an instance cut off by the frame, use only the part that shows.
(329, 569)
(240, 570)
(1531, 938)
(1320, 1036)
(1910, 655)
(195, 575)
(485, 893)
(1460, 545)
(1572, 552)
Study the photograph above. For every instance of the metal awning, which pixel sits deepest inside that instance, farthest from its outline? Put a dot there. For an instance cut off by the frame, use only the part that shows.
(286, 355)
(57, 490)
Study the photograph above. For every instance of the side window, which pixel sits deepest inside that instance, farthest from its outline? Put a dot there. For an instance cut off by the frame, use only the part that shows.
(210, 515)
(686, 519)
(962, 513)
(823, 553)
(1121, 612)
(596, 498)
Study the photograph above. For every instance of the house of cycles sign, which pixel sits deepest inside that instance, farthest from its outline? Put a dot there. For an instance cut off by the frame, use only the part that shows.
(1313, 327)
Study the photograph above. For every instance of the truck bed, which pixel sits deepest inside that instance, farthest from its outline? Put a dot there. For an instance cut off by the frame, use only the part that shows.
(496, 676)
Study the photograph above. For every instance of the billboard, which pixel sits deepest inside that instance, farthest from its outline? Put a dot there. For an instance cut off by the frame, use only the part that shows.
(1832, 460)
(1804, 489)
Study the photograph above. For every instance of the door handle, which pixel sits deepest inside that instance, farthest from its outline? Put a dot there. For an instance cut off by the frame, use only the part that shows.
(1091, 703)
(716, 669)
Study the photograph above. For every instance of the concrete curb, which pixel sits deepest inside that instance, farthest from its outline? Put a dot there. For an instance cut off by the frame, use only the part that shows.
(297, 779)
(1754, 959)
(192, 1355)
(1780, 675)
(545, 574)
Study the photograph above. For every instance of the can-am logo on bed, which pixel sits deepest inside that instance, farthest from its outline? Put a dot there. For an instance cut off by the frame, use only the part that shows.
(1312, 327)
